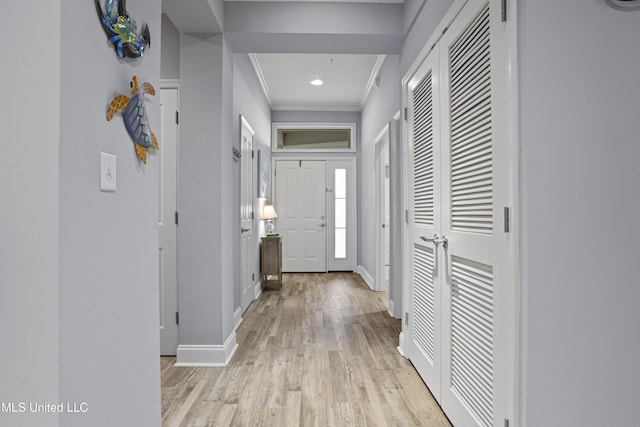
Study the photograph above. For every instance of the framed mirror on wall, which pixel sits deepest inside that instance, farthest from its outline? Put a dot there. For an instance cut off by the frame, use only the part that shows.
(313, 137)
(264, 176)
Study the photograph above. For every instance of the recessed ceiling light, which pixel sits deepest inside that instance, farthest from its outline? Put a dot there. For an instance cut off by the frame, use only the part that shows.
(317, 82)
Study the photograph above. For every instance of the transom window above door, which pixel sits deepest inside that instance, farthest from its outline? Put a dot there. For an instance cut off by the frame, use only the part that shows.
(313, 137)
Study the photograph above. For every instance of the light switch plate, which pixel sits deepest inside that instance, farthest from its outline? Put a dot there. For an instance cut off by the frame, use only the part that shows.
(107, 172)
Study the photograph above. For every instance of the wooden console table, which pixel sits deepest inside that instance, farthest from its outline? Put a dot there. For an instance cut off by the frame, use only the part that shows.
(271, 260)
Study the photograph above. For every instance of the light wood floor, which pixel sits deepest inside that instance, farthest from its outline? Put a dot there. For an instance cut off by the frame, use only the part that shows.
(319, 352)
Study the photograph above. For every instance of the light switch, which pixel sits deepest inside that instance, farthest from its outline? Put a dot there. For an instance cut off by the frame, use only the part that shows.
(107, 172)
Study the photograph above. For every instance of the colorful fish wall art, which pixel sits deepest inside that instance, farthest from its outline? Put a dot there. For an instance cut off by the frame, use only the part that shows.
(122, 31)
(135, 117)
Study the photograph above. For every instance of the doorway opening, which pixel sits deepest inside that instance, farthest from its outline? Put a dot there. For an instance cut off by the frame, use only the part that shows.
(383, 210)
(167, 220)
(247, 246)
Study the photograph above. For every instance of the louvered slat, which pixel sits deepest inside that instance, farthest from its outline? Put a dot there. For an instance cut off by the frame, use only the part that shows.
(423, 300)
(472, 336)
(423, 151)
(471, 140)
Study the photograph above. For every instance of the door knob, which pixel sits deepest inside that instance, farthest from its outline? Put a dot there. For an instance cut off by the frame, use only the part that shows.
(321, 225)
(436, 240)
(244, 230)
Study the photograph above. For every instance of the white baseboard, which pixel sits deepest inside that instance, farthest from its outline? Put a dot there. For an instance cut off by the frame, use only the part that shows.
(401, 346)
(237, 318)
(368, 279)
(257, 290)
(395, 312)
(215, 356)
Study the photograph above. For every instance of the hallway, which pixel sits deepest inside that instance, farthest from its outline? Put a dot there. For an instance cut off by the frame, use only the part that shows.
(319, 352)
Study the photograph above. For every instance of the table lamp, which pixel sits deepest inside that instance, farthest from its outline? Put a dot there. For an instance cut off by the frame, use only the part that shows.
(269, 214)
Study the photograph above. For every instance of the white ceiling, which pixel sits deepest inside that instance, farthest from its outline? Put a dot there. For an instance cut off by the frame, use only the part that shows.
(286, 80)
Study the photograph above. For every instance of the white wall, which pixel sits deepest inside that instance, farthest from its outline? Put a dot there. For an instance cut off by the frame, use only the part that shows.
(29, 188)
(109, 340)
(579, 105)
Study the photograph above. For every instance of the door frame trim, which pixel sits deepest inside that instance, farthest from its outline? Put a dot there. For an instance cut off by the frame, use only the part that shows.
(275, 157)
(515, 263)
(175, 84)
(378, 141)
(352, 215)
(252, 256)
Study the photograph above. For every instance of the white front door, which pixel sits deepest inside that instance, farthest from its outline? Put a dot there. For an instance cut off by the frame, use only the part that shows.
(300, 196)
(462, 328)
(167, 222)
(247, 257)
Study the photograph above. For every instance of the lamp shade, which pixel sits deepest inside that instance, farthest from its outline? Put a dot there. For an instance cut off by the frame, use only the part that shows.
(268, 212)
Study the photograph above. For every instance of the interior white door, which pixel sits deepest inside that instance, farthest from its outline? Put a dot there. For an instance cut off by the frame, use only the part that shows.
(382, 221)
(425, 271)
(387, 221)
(247, 257)
(167, 222)
(477, 298)
(300, 203)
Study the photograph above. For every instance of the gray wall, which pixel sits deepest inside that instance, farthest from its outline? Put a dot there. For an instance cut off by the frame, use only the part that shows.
(29, 190)
(411, 11)
(381, 106)
(230, 213)
(207, 270)
(383, 102)
(109, 338)
(250, 102)
(195, 17)
(216, 87)
(431, 13)
(579, 105)
(170, 57)
(314, 27)
(317, 116)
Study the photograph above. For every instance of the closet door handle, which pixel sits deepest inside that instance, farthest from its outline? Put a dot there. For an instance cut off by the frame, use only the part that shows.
(436, 240)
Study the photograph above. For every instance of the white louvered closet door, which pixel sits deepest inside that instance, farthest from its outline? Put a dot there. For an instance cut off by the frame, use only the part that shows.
(478, 351)
(461, 324)
(425, 296)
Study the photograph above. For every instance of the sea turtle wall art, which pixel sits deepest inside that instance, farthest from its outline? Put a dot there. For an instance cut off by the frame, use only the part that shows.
(135, 117)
